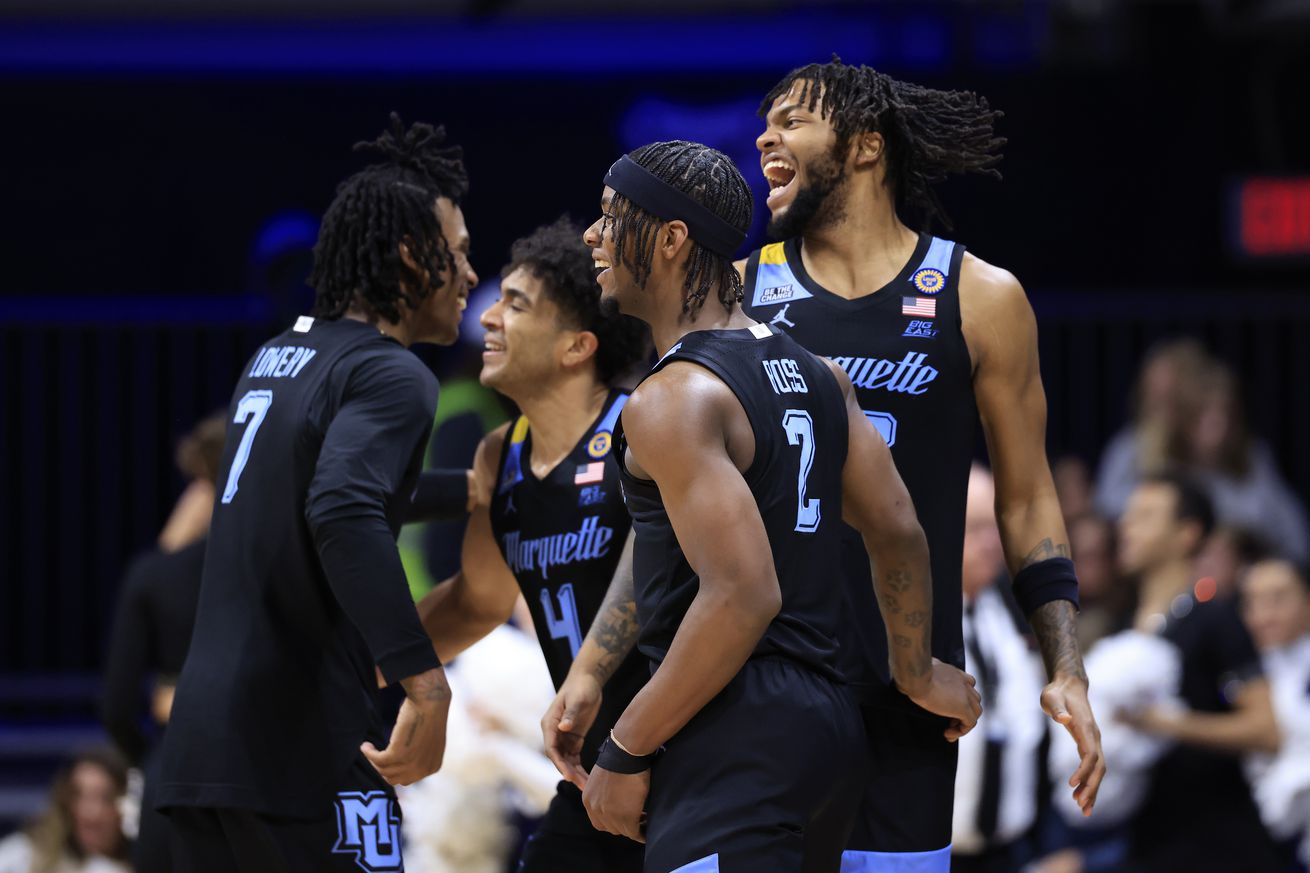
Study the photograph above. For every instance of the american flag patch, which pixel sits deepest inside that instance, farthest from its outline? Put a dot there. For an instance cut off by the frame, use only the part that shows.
(924, 307)
(590, 473)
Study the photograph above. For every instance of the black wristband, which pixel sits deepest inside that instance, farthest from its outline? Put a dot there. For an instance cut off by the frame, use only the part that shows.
(1040, 583)
(612, 758)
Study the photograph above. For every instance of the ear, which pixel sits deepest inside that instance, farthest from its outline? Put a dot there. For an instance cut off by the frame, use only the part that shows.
(406, 256)
(673, 238)
(869, 149)
(582, 348)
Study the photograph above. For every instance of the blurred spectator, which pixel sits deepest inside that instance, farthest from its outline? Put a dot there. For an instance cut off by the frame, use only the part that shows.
(152, 631)
(1276, 609)
(460, 819)
(82, 830)
(996, 781)
(1073, 485)
(1227, 555)
(1166, 396)
(1106, 600)
(1199, 815)
(1189, 417)
(1239, 472)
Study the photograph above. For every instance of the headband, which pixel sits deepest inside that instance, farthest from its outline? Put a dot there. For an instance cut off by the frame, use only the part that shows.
(667, 203)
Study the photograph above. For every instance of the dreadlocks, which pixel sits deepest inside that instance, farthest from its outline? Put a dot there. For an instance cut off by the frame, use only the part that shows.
(556, 255)
(711, 179)
(930, 134)
(357, 257)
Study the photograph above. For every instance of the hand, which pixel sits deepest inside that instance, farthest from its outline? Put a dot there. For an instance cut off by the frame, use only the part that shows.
(616, 802)
(1065, 701)
(950, 692)
(418, 741)
(566, 722)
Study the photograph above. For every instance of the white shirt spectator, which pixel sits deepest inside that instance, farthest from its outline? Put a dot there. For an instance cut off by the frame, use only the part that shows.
(17, 855)
(1012, 718)
(1281, 782)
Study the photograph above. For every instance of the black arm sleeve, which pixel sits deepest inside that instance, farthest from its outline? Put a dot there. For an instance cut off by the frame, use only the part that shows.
(442, 495)
(372, 444)
(126, 665)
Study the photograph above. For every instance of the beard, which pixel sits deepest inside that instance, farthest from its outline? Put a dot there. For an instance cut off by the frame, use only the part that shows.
(817, 205)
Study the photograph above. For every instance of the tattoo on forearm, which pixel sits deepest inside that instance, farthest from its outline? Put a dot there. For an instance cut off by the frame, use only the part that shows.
(1044, 550)
(916, 619)
(615, 629)
(1055, 625)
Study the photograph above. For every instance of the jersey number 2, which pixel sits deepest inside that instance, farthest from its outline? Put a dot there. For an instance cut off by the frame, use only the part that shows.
(564, 626)
(800, 432)
(253, 407)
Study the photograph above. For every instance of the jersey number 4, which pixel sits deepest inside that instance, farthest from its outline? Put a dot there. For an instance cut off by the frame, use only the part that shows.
(800, 432)
(564, 625)
(252, 408)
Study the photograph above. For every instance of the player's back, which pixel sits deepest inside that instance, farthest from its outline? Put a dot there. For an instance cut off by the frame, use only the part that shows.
(278, 679)
(798, 416)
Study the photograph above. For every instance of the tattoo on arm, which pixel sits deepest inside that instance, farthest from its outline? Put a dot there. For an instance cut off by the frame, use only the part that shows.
(614, 631)
(1055, 625)
(1045, 550)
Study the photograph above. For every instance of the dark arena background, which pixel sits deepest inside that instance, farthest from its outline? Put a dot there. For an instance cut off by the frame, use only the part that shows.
(164, 165)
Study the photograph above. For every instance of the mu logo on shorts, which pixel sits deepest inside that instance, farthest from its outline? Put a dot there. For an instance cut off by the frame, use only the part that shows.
(368, 828)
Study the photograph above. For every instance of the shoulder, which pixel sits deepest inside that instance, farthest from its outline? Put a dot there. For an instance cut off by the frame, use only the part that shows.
(387, 369)
(491, 447)
(987, 289)
(680, 396)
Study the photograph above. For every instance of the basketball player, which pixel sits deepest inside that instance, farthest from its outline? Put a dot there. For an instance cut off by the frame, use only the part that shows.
(556, 526)
(271, 760)
(927, 334)
(739, 457)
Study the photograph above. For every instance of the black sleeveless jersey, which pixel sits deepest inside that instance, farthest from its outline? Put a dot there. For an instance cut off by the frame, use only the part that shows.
(326, 427)
(798, 416)
(904, 351)
(562, 537)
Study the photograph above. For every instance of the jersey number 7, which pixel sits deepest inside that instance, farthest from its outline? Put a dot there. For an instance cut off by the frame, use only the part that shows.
(253, 407)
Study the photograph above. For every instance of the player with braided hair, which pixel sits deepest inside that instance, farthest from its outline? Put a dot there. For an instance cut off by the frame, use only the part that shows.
(271, 760)
(740, 458)
(931, 338)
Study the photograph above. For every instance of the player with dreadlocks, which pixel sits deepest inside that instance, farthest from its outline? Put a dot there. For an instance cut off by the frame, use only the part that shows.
(931, 337)
(271, 760)
(740, 456)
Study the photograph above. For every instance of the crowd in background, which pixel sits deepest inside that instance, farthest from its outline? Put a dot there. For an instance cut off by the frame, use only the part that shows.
(1194, 623)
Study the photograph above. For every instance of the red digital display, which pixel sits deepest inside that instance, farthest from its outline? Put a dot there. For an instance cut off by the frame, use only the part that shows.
(1274, 217)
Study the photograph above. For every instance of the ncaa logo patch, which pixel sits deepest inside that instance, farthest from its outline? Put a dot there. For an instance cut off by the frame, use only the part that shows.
(928, 280)
(369, 829)
(599, 446)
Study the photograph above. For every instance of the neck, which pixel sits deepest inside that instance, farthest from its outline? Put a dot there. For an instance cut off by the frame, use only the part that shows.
(560, 413)
(672, 324)
(1157, 589)
(398, 332)
(863, 250)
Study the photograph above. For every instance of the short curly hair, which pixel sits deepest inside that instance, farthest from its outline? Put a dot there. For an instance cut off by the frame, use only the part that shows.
(555, 254)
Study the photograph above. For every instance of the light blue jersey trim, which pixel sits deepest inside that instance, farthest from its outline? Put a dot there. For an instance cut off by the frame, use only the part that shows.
(938, 861)
(612, 417)
(775, 284)
(939, 256)
(708, 864)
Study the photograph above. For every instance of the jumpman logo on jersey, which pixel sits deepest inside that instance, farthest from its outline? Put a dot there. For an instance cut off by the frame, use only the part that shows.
(781, 317)
(509, 504)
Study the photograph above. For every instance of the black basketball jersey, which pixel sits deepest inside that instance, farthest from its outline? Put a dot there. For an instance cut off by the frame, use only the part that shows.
(562, 537)
(798, 416)
(326, 432)
(905, 353)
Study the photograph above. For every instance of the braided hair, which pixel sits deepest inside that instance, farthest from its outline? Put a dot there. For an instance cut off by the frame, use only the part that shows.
(357, 256)
(556, 255)
(711, 179)
(930, 134)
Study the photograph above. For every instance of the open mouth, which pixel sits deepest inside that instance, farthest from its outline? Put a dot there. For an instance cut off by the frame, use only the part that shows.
(492, 347)
(601, 266)
(780, 175)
